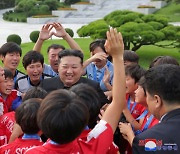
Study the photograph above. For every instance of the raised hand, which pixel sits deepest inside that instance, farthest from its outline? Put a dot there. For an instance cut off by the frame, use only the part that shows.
(45, 32)
(114, 44)
(99, 56)
(60, 31)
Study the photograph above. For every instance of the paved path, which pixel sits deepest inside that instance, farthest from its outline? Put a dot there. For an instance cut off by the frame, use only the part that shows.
(24, 29)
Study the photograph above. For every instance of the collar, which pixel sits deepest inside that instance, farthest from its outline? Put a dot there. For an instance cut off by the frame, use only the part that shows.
(102, 69)
(30, 136)
(170, 114)
(162, 117)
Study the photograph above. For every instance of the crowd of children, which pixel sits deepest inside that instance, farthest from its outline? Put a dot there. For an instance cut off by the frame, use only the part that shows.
(106, 113)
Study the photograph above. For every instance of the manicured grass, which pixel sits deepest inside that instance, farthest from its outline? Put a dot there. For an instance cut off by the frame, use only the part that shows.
(172, 11)
(146, 53)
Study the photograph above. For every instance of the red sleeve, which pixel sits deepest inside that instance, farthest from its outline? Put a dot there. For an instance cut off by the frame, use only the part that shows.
(98, 140)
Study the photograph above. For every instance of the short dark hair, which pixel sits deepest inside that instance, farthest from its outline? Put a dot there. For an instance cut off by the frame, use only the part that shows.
(32, 57)
(135, 71)
(8, 74)
(26, 115)
(35, 92)
(164, 80)
(71, 52)
(99, 43)
(10, 47)
(62, 116)
(130, 56)
(55, 46)
(160, 60)
(89, 97)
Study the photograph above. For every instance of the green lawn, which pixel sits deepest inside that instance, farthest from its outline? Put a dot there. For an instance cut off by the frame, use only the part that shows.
(146, 53)
(172, 11)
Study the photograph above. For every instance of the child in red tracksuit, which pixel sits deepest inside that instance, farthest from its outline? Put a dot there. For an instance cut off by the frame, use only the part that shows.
(10, 97)
(146, 119)
(25, 116)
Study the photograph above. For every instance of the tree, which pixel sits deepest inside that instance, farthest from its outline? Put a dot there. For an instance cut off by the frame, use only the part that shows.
(137, 29)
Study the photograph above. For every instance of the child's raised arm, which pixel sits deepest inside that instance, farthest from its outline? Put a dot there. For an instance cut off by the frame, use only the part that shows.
(115, 47)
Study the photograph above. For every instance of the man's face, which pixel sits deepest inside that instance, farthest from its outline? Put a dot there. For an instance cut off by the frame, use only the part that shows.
(151, 102)
(7, 86)
(34, 71)
(53, 58)
(70, 70)
(11, 60)
(99, 63)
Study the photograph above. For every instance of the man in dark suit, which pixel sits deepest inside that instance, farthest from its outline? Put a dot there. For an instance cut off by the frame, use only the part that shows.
(70, 70)
(162, 85)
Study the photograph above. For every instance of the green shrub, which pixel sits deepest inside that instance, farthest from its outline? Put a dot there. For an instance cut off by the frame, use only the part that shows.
(53, 4)
(71, 1)
(44, 8)
(34, 36)
(156, 25)
(5, 16)
(69, 31)
(10, 18)
(23, 20)
(11, 11)
(14, 38)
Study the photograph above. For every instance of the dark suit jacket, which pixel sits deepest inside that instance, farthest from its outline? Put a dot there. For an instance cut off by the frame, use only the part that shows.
(167, 131)
(56, 83)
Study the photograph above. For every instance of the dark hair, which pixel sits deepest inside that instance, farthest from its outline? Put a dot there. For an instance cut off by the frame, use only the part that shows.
(26, 115)
(89, 97)
(130, 56)
(32, 57)
(160, 60)
(62, 116)
(164, 80)
(8, 74)
(99, 43)
(71, 52)
(35, 92)
(55, 46)
(10, 47)
(135, 71)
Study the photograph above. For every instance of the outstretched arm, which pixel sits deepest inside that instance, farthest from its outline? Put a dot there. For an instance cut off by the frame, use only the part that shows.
(115, 47)
(60, 32)
(44, 34)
